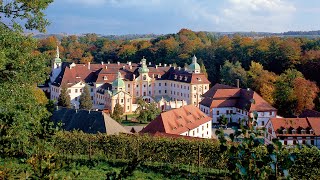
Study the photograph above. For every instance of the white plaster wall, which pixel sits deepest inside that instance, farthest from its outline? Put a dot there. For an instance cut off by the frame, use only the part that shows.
(202, 131)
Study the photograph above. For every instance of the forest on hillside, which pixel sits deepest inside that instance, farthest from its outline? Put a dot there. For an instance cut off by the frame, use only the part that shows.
(283, 70)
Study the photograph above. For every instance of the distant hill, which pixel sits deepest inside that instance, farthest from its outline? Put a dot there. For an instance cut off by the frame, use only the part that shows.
(110, 37)
(308, 34)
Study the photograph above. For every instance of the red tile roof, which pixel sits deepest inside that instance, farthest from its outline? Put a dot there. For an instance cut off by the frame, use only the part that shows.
(295, 123)
(96, 73)
(309, 113)
(177, 121)
(315, 124)
(214, 88)
(226, 96)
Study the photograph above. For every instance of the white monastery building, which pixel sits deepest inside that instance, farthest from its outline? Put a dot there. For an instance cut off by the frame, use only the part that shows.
(185, 121)
(236, 104)
(111, 83)
(291, 131)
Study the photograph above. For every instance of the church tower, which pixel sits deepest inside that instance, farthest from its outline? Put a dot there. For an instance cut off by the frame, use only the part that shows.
(194, 67)
(56, 66)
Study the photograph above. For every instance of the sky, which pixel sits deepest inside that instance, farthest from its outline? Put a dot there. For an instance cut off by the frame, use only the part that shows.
(117, 17)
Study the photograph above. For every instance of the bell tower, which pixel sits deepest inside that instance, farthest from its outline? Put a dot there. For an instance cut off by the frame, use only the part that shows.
(56, 66)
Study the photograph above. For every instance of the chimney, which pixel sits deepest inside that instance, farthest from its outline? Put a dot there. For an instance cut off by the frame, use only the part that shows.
(238, 83)
(102, 62)
(159, 64)
(165, 65)
(76, 110)
(134, 76)
(106, 67)
(89, 65)
(156, 66)
(129, 63)
(170, 65)
(57, 108)
(108, 62)
(179, 68)
(149, 63)
(123, 67)
(118, 63)
(89, 112)
(130, 67)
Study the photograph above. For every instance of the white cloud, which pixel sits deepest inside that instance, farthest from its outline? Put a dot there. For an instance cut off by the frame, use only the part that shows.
(258, 15)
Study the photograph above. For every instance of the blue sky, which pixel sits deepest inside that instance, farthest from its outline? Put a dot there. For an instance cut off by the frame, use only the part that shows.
(169, 16)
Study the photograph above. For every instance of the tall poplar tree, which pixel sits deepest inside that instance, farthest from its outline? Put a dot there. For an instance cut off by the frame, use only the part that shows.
(85, 99)
(64, 98)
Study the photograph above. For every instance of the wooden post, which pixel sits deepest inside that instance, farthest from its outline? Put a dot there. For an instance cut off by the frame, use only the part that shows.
(198, 158)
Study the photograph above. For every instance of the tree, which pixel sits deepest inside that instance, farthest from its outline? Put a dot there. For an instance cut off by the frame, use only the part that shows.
(305, 91)
(64, 97)
(21, 112)
(117, 112)
(223, 120)
(85, 99)
(147, 111)
(285, 99)
(29, 13)
(262, 81)
(230, 72)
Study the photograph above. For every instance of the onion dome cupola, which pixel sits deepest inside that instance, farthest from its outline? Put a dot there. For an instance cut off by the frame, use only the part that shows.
(144, 67)
(194, 67)
(118, 84)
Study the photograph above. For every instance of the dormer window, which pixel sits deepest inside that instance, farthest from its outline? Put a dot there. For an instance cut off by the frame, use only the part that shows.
(105, 78)
(175, 76)
(303, 131)
(185, 78)
(199, 79)
(294, 131)
(181, 78)
(284, 131)
(144, 77)
(159, 76)
(311, 131)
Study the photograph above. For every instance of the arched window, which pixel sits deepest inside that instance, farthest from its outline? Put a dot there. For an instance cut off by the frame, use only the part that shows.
(144, 77)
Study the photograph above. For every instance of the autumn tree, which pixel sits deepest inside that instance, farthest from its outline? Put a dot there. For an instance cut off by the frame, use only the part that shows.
(285, 100)
(86, 58)
(126, 51)
(305, 91)
(85, 101)
(64, 97)
(262, 81)
(117, 112)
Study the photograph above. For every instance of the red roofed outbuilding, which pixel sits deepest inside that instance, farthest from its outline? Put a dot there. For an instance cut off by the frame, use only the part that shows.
(187, 121)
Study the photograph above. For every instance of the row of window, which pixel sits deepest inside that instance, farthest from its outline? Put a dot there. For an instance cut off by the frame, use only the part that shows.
(122, 101)
(80, 90)
(179, 94)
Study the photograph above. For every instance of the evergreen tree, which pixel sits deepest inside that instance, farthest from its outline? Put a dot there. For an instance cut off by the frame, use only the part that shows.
(117, 112)
(232, 71)
(85, 99)
(203, 69)
(64, 98)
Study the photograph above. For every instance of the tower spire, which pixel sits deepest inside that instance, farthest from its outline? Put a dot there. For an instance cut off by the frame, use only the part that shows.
(58, 54)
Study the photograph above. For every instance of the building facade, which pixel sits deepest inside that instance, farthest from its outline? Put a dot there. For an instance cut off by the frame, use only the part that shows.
(185, 121)
(237, 105)
(292, 131)
(111, 83)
